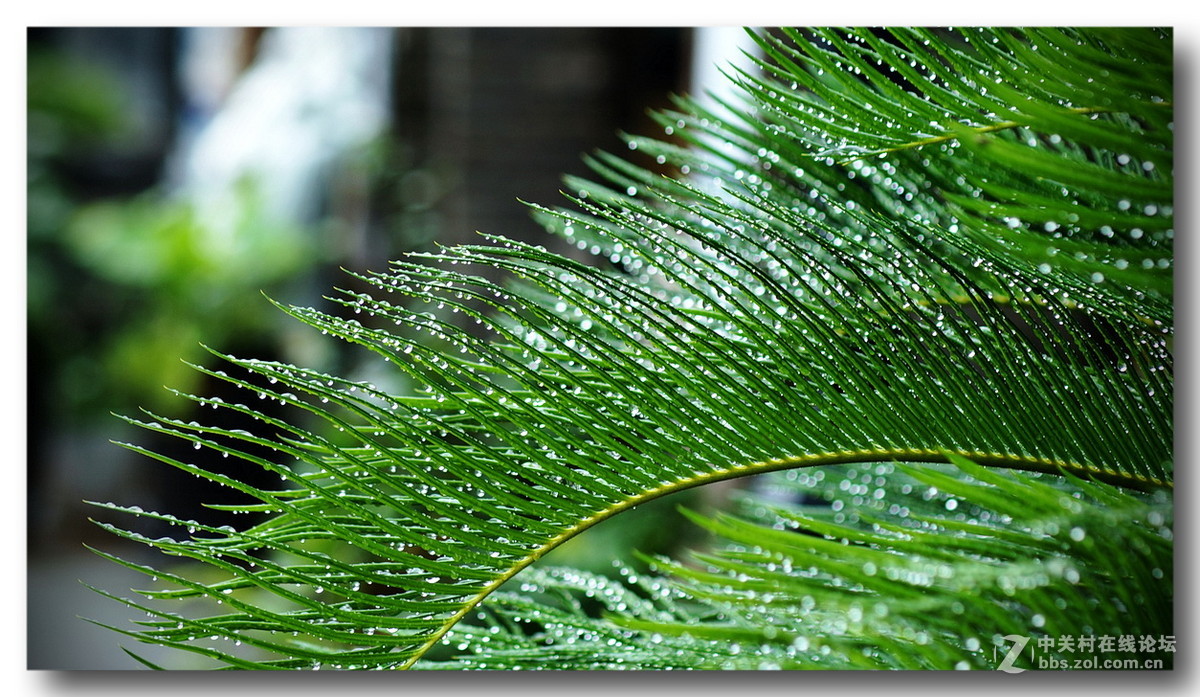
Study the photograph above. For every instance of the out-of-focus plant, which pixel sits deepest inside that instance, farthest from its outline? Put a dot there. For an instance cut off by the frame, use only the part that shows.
(123, 287)
(181, 282)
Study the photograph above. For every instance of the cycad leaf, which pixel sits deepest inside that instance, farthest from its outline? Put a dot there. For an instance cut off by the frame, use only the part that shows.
(1050, 135)
(746, 319)
(892, 567)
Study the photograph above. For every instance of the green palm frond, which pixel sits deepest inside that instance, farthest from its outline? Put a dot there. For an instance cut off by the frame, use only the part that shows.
(775, 308)
(1049, 147)
(926, 568)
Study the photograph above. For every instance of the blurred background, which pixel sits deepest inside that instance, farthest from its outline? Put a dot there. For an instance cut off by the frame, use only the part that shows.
(174, 173)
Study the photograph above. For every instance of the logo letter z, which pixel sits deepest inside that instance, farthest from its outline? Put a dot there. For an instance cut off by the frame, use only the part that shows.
(1018, 643)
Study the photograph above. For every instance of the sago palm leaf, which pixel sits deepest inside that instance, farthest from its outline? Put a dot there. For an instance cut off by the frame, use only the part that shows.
(1052, 148)
(891, 567)
(774, 307)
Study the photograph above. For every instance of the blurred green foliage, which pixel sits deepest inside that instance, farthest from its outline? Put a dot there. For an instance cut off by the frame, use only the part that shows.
(71, 103)
(123, 289)
(189, 283)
